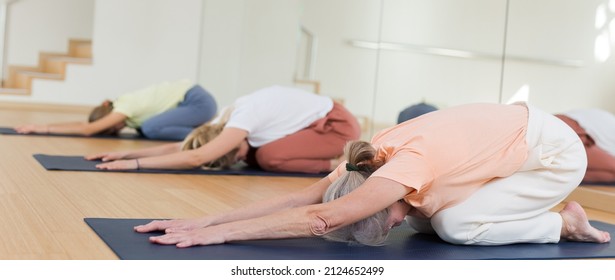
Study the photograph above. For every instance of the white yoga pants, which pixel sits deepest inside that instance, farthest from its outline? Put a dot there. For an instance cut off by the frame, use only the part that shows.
(516, 209)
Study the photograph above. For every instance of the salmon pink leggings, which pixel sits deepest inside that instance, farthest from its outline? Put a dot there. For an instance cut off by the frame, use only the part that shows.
(311, 150)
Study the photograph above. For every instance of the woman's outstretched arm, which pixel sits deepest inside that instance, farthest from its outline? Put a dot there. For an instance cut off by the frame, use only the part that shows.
(133, 154)
(312, 220)
(310, 195)
(109, 121)
(228, 139)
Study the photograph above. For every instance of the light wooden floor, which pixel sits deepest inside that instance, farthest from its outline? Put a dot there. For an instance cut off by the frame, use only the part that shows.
(42, 211)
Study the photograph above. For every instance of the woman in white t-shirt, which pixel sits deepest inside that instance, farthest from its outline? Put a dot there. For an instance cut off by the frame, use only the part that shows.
(276, 128)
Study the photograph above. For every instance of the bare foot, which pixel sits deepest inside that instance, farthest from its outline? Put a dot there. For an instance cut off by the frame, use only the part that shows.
(576, 227)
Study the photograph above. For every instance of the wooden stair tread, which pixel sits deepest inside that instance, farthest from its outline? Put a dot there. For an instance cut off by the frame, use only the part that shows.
(51, 66)
(14, 91)
(42, 74)
(71, 59)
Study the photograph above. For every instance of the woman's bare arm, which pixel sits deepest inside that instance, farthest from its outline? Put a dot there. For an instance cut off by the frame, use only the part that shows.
(132, 154)
(311, 220)
(310, 195)
(77, 128)
(228, 139)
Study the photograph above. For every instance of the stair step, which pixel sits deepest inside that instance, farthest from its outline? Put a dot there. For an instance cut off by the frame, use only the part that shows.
(23, 78)
(80, 48)
(51, 66)
(57, 64)
(72, 59)
(42, 75)
(14, 91)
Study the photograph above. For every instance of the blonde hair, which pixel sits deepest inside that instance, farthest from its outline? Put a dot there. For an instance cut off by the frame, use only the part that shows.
(371, 230)
(207, 132)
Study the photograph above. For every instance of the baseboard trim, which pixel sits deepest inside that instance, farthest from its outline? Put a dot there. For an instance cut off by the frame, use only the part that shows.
(45, 107)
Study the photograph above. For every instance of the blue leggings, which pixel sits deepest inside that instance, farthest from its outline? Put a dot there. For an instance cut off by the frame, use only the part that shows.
(198, 107)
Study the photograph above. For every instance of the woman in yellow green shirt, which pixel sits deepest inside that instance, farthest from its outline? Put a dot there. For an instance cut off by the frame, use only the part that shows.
(166, 111)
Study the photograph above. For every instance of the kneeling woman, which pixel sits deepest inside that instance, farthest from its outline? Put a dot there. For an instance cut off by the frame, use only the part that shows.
(277, 128)
(165, 111)
(467, 178)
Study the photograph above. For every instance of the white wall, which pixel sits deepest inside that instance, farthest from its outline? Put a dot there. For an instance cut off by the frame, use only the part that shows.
(135, 43)
(269, 43)
(345, 72)
(142, 42)
(237, 46)
(247, 45)
(220, 60)
(45, 25)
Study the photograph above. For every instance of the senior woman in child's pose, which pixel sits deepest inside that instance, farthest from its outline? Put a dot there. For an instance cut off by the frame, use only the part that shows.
(467, 178)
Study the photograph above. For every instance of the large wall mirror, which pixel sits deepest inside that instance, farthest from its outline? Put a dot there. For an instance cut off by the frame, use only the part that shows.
(442, 52)
(303, 43)
(380, 56)
(329, 57)
(559, 54)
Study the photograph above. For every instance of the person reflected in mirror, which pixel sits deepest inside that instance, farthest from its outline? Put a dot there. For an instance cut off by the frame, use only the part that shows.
(165, 111)
(596, 128)
(277, 128)
(469, 179)
(414, 111)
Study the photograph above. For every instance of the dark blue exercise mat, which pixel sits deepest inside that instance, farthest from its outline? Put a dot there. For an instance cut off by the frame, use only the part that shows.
(124, 135)
(403, 244)
(598, 183)
(79, 163)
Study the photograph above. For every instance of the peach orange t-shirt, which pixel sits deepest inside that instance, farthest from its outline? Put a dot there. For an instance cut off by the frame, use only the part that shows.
(444, 156)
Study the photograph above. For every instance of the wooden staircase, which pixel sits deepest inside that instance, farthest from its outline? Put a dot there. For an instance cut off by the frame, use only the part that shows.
(51, 66)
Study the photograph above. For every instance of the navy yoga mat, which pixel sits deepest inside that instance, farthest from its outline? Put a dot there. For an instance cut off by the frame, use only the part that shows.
(78, 163)
(403, 244)
(125, 135)
(599, 183)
